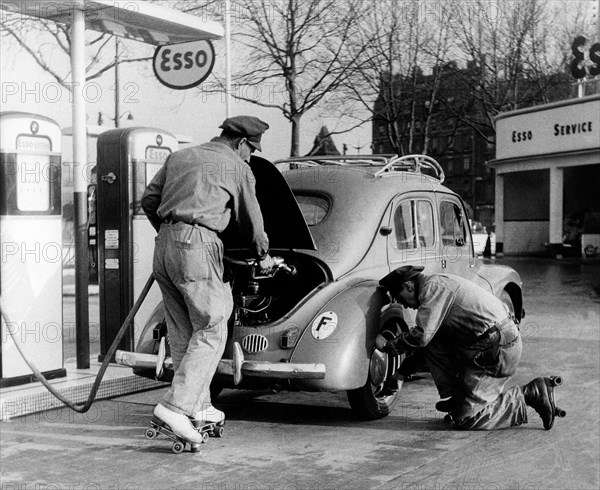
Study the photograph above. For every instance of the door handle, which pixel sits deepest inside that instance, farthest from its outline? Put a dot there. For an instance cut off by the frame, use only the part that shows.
(385, 230)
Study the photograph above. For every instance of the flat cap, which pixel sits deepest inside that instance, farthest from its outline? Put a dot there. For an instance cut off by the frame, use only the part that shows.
(248, 126)
(397, 277)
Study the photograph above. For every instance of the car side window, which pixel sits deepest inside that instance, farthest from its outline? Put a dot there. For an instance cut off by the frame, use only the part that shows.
(404, 226)
(414, 225)
(451, 220)
(425, 224)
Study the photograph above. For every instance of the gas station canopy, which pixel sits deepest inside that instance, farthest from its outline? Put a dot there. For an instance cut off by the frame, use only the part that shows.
(141, 21)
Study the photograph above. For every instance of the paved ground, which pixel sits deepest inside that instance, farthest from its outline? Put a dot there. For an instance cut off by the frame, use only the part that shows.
(300, 440)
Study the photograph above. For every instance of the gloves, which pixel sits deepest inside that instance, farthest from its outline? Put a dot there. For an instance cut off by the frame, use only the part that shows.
(394, 347)
(266, 264)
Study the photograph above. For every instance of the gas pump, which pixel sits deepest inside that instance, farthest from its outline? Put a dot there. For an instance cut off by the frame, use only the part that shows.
(127, 160)
(31, 245)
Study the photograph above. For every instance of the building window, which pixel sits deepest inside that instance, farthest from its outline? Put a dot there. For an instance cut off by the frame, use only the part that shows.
(467, 163)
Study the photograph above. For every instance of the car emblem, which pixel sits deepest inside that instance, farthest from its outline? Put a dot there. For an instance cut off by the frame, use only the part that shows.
(34, 127)
(159, 139)
(324, 325)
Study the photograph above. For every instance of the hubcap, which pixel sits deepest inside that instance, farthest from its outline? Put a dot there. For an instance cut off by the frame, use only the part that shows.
(378, 367)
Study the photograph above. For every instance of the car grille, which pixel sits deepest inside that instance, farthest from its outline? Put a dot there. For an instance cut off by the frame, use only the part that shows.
(254, 343)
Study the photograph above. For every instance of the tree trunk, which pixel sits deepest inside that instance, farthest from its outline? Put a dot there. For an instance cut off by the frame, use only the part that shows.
(295, 148)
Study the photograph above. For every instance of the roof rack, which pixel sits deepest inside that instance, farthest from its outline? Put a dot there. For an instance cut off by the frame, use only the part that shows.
(413, 163)
(339, 160)
(386, 163)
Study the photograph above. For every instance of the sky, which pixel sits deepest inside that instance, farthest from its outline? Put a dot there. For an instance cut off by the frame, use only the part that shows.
(192, 113)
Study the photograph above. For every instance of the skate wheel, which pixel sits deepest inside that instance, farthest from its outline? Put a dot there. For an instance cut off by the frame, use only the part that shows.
(219, 431)
(204, 437)
(178, 447)
(559, 412)
(556, 380)
(448, 418)
(151, 433)
(194, 448)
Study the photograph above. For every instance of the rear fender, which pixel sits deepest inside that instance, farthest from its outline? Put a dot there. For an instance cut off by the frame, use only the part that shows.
(347, 349)
(146, 343)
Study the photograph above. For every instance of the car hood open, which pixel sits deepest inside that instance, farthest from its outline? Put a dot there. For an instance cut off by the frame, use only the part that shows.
(284, 223)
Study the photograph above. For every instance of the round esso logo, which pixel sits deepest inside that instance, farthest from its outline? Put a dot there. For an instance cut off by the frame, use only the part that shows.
(184, 65)
(324, 325)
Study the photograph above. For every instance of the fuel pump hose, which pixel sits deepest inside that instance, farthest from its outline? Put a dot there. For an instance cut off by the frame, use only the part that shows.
(83, 407)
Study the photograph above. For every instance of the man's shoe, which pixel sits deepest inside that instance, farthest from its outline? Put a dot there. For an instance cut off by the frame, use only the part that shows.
(539, 394)
(179, 424)
(444, 405)
(209, 415)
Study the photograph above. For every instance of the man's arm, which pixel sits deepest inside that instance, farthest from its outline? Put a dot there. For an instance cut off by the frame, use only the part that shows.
(152, 197)
(435, 303)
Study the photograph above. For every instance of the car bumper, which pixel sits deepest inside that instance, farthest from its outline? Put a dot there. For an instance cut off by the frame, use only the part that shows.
(231, 367)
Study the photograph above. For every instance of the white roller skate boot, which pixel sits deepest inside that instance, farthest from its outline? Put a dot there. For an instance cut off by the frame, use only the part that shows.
(179, 424)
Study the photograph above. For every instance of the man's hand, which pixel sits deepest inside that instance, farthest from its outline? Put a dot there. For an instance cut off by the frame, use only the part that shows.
(266, 264)
(394, 347)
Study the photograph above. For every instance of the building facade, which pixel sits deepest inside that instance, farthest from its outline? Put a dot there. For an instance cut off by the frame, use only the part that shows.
(548, 177)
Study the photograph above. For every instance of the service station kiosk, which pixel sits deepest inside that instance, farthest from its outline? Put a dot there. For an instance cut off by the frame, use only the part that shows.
(31, 246)
(127, 160)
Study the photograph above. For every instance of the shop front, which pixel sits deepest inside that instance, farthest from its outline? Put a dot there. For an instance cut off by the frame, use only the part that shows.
(548, 178)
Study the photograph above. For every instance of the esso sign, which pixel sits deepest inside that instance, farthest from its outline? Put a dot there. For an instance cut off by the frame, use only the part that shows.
(184, 65)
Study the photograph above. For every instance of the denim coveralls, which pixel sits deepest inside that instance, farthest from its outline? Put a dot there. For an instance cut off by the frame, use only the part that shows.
(190, 200)
(472, 347)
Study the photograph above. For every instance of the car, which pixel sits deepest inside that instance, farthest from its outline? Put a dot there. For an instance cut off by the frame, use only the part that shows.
(337, 225)
(480, 236)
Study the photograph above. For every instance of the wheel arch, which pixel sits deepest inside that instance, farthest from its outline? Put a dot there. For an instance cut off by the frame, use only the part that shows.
(516, 296)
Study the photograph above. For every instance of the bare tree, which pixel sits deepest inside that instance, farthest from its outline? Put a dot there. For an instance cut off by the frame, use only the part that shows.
(511, 56)
(293, 54)
(43, 40)
(392, 47)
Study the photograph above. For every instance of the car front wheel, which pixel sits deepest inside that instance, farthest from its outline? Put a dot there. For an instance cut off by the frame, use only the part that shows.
(376, 398)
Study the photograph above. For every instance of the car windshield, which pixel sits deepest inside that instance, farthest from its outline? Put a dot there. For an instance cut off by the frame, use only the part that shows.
(314, 208)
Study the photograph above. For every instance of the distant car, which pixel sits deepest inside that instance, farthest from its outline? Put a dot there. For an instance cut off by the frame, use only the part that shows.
(480, 237)
(339, 224)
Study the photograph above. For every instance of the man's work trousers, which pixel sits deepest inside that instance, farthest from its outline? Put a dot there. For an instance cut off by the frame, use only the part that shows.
(188, 266)
(477, 393)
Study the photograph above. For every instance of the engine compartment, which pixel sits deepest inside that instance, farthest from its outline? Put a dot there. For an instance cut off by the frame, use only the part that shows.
(259, 300)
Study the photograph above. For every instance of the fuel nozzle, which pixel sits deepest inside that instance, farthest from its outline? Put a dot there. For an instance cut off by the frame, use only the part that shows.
(280, 264)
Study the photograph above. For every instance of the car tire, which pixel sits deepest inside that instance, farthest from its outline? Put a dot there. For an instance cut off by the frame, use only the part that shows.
(371, 401)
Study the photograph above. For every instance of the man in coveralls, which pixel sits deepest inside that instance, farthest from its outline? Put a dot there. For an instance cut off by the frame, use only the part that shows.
(189, 201)
(471, 345)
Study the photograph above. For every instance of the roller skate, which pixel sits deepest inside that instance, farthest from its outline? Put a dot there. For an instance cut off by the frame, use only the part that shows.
(539, 394)
(177, 427)
(210, 422)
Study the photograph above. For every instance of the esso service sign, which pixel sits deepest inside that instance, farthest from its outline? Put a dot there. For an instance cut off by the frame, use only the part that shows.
(184, 65)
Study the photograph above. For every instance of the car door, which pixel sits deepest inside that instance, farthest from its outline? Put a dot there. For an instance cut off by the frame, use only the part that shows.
(456, 253)
(414, 236)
